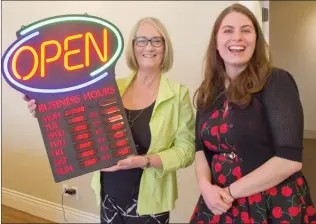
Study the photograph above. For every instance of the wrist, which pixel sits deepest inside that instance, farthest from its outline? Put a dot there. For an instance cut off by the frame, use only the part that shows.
(146, 162)
(204, 184)
(229, 191)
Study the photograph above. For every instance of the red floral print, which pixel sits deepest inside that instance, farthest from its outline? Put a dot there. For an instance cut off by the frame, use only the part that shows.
(229, 220)
(288, 202)
(245, 216)
(310, 211)
(277, 212)
(218, 167)
(237, 172)
(255, 198)
(272, 191)
(223, 128)
(214, 130)
(216, 218)
(235, 211)
(221, 158)
(300, 181)
(204, 125)
(241, 201)
(210, 145)
(215, 115)
(286, 191)
(293, 211)
(222, 179)
(306, 219)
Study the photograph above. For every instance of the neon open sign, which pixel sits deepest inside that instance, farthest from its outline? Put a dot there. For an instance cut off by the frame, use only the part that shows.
(76, 45)
(66, 63)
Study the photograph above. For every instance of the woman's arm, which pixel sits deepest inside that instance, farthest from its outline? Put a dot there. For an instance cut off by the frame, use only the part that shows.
(217, 199)
(182, 152)
(284, 114)
(270, 174)
(202, 170)
(180, 155)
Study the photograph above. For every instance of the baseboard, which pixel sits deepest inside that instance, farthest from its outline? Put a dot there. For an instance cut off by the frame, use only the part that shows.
(45, 209)
(310, 134)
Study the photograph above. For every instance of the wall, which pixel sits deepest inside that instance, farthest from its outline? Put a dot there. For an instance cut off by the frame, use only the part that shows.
(293, 47)
(25, 166)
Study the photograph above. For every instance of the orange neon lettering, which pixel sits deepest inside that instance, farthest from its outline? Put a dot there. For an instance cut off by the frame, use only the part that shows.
(68, 53)
(90, 37)
(43, 59)
(35, 64)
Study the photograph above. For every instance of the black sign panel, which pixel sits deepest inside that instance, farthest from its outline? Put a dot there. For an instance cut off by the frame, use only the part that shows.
(66, 63)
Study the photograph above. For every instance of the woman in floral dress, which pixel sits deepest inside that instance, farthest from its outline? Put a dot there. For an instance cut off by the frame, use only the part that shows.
(249, 131)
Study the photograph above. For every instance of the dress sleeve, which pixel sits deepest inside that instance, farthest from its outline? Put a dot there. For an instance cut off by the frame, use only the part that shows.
(284, 113)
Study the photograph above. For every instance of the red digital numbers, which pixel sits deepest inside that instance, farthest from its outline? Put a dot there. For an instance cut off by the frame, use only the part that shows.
(64, 170)
(84, 145)
(106, 157)
(107, 102)
(98, 131)
(121, 152)
(119, 143)
(116, 135)
(80, 127)
(82, 136)
(86, 154)
(110, 110)
(96, 123)
(101, 140)
(115, 126)
(103, 148)
(89, 162)
(93, 114)
(76, 110)
(114, 118)
(76, 119)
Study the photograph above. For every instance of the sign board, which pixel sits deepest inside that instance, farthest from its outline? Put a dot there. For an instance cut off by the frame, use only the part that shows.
(66, 63)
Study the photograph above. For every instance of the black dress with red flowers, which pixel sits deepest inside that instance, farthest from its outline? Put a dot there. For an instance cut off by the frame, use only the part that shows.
(288, 202)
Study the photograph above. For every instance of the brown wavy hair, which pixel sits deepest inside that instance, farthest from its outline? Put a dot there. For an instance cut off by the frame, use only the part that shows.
(248, 82)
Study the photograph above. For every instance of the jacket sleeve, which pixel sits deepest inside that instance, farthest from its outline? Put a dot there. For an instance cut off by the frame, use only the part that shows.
(182, 152)
(284, 113)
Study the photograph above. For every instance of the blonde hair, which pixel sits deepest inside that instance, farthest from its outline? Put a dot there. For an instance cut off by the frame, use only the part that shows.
(167, 62)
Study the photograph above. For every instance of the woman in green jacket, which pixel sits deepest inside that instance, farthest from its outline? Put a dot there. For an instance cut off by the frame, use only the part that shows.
(143, 189)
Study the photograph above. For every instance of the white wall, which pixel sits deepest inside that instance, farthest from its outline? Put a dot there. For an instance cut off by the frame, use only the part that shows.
(293, 47)
(25, 166)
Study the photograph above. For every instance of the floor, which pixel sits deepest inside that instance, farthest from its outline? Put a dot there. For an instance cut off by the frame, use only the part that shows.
(10, 215)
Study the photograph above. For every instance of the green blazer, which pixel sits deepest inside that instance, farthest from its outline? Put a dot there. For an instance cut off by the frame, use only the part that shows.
(172, 138)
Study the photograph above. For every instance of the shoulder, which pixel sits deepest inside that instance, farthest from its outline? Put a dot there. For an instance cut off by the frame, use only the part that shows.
(280, 79)
(177, 88)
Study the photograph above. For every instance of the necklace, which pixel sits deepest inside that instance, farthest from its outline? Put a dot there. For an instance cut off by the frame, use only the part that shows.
(131, 122)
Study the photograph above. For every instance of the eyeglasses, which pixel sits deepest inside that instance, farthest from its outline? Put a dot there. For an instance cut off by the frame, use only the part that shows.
(143, 41)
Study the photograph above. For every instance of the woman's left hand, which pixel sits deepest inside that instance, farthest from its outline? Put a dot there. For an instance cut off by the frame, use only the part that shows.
(130, 162)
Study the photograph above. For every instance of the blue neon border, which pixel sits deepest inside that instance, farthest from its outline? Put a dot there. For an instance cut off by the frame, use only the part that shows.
(36, 33)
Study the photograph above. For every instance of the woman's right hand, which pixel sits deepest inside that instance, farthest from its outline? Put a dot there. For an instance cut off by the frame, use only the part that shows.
(217, 199)
(31, 105)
